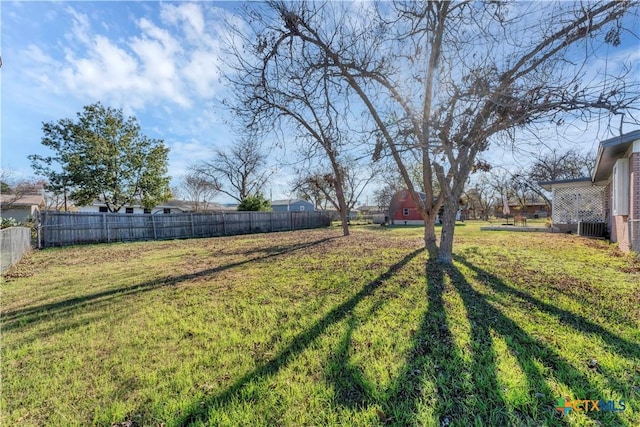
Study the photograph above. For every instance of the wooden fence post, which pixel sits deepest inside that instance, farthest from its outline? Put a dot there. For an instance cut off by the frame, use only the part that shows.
(104, 227)
(153, 224)
(224, 226)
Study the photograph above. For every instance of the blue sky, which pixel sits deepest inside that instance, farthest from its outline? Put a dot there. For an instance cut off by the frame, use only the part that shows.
(158, 61)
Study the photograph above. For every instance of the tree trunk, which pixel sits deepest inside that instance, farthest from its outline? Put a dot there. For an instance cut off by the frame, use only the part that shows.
(445, 253)
(345, 223)
(342, 204)
(430, 234)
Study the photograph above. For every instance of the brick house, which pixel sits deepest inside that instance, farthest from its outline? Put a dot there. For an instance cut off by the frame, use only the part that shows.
(611, 196)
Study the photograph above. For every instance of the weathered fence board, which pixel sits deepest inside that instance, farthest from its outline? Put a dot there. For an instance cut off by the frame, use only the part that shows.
(14, 243)
(72, 228)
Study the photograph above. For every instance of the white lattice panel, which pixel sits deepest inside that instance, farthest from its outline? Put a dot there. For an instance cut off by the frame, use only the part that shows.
(573, 204)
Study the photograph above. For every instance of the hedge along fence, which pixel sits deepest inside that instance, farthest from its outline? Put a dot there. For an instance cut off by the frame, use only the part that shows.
(15, 242)
(68, 228)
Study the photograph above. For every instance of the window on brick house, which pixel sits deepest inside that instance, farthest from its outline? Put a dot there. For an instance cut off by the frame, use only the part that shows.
(103, 209)
(405, 211)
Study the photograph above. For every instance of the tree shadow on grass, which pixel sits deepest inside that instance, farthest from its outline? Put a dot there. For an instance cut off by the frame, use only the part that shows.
(527, 350)
(466, 390)
(459, 388)
(617, 344)
(25, 316)
(302, 341)
(351, 389)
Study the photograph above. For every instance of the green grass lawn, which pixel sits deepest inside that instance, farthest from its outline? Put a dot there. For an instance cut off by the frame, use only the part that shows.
(311, 328)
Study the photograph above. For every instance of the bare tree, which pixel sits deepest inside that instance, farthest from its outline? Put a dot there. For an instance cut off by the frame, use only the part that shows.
(481, 195)
(324, 185)
(306, 189)
(500, 180)
(7, 178)
(295, 96)
(560, 164)
(553, 165)
(14, 188)
(198, 190)
(239, 172)
(54, 201)
(383, 195)
(444, 80)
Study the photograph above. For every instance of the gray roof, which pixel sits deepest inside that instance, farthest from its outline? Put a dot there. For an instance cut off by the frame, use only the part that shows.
(547, 184)
(286, 202)
(368, 208)
(610, 151)
(22, 200)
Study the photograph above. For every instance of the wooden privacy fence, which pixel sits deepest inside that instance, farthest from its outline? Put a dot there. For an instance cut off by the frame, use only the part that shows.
(72, 228)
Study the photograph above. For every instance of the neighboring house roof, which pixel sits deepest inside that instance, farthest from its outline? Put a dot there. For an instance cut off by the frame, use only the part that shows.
(569, 182)
(173, 203)
(611, 150)
(405, 193)
(287, 202)
(529, 203)
(365, 208)
(24, 200)
(220, 207)
(178, 204)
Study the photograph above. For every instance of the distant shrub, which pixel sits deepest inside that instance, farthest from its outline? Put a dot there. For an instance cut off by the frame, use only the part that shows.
(9, 222)
(255, 203)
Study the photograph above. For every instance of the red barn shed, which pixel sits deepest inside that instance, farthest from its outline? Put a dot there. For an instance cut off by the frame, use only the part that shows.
(403, 210)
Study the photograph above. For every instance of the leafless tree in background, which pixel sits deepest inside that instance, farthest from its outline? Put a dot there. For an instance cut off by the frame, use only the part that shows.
(291, 94)
(13, 189)
(324, 185)
(553, 165)
(481, 195)
(305, 188)
(239, 171)
(198, 190)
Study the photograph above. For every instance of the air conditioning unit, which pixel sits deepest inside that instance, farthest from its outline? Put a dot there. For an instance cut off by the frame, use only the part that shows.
(620, 203)
(592, 229)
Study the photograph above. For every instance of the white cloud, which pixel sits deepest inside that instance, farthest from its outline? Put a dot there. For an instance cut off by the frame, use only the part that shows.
(160, 65)
(202, 73)
(184, 154)
(36, 55)
(80, 27)
(189, 14)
